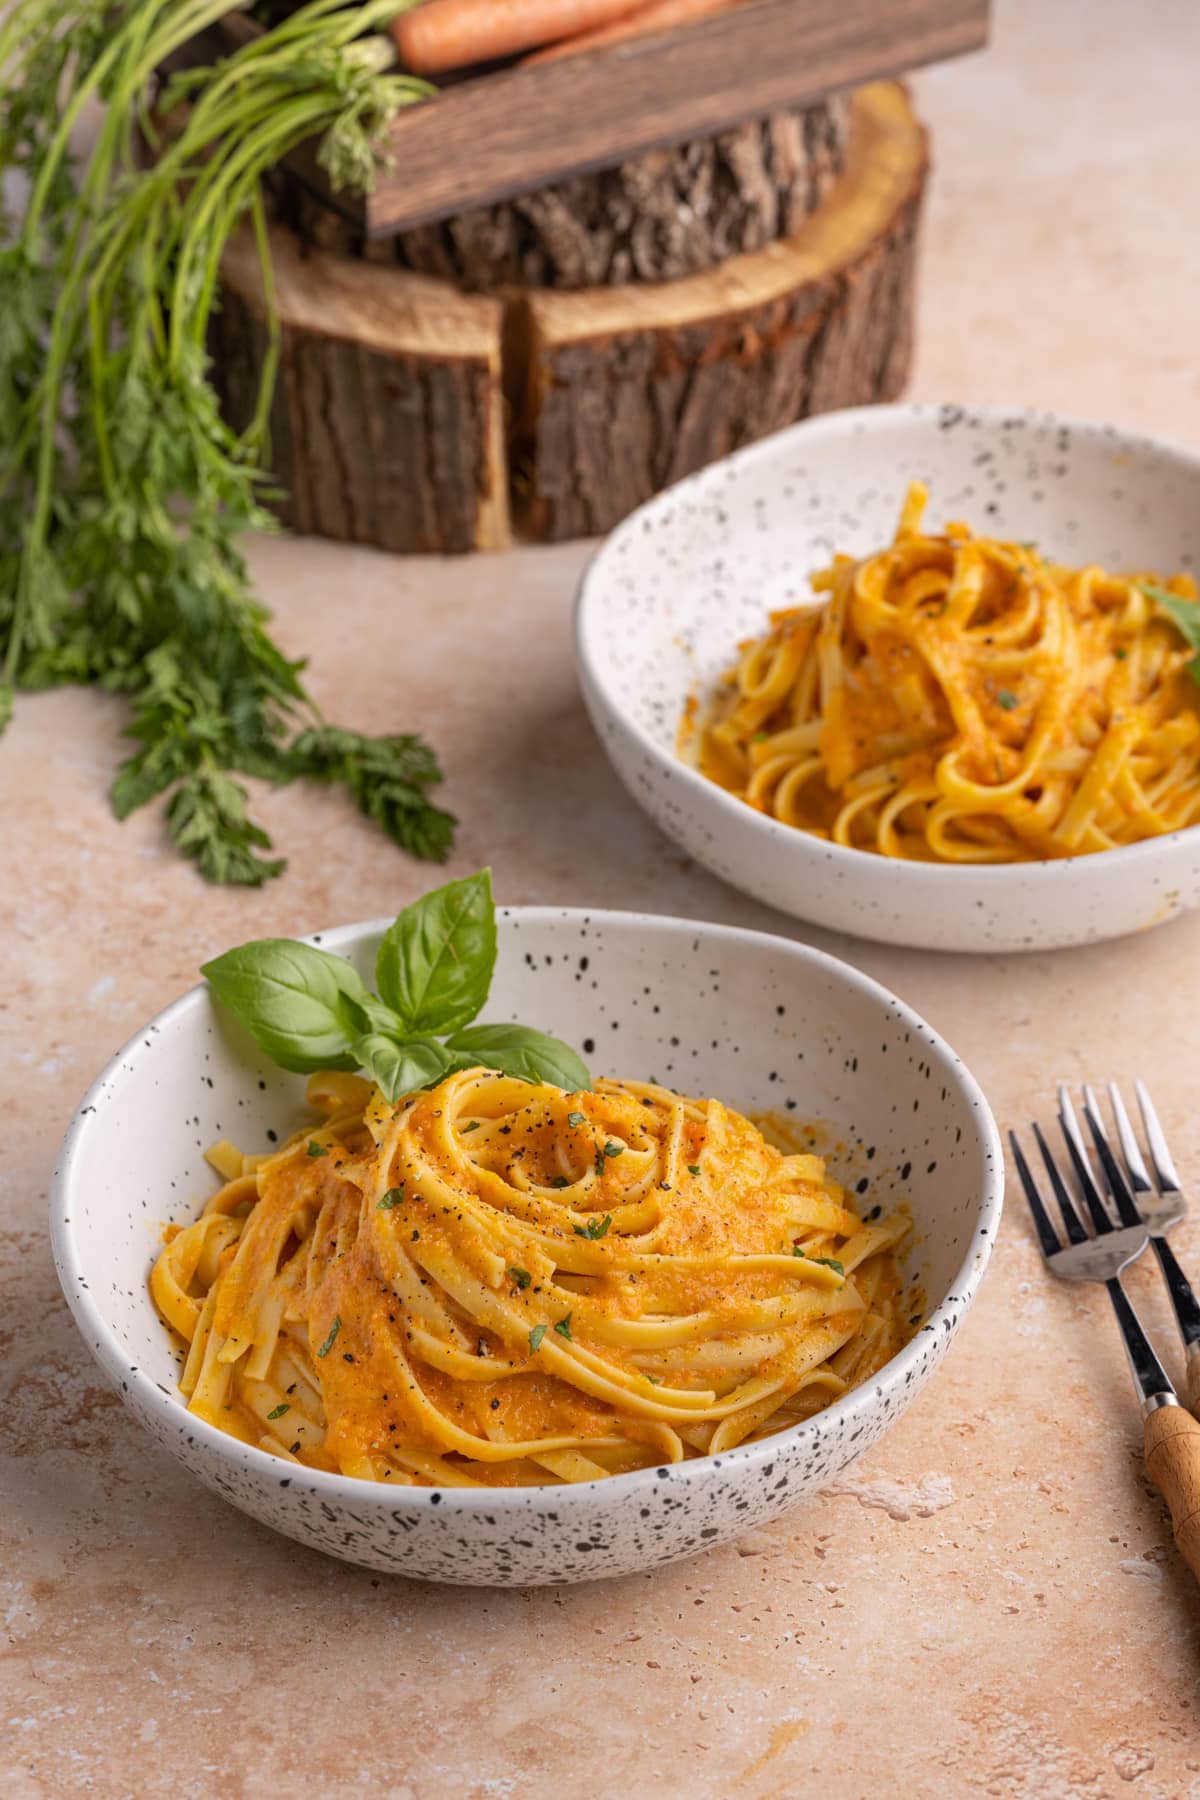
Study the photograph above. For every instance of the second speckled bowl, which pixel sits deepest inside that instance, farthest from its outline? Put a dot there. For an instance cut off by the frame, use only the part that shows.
(666, 600)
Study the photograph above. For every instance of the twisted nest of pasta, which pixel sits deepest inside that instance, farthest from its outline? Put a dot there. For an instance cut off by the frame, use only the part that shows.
(961, 699)
(495, 1282)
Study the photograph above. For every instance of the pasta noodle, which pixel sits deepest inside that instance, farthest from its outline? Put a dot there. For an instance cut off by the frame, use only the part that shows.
(958, 699)
(498, 1283)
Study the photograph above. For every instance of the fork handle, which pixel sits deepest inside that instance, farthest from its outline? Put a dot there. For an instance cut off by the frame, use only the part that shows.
(1172, 1447)
(1187, 1313)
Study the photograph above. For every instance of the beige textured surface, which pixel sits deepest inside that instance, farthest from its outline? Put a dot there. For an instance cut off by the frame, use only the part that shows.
(988, 1604)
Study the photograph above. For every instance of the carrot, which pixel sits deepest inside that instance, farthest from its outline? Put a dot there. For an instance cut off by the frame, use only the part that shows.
(660, 15)
(453, 34)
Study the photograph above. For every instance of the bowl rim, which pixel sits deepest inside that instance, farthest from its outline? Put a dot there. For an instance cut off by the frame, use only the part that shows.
(920, 413)
(135, 1383)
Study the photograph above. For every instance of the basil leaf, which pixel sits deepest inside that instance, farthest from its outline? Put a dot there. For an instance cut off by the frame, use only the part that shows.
(435, 963)
(290, 997)
(1184, 615)
(402, 1068)
(518, 1050)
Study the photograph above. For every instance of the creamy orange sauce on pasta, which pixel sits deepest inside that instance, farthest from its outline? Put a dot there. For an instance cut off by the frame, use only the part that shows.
(956, 698)
(497, 1283)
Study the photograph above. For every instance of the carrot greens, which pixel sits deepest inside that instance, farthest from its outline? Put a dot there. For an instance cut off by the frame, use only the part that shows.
(123, 492)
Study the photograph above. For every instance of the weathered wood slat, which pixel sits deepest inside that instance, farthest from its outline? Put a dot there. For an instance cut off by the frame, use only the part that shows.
(515, 130)
(511, 131)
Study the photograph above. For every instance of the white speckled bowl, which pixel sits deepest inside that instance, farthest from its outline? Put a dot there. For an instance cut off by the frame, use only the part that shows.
(761, 1021)
(670, 593)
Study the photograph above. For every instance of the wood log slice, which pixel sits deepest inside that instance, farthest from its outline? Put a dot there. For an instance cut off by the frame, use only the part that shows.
(627, 390)
(408, 412)
(657, 217)
(387, 424)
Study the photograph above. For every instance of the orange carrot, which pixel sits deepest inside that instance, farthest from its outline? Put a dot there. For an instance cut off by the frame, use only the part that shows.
(660, 15)
(453, 34)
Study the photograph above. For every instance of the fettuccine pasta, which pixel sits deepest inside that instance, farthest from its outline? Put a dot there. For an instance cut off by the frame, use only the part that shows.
(499, 1283)
(958, 699)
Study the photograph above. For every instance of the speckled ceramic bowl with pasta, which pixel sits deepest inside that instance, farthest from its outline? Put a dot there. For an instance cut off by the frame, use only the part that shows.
(681, 583)
(761, 1022)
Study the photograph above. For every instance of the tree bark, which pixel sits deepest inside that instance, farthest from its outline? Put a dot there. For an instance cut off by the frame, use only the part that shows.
(657, 217)
(387, 425)
(628, 390)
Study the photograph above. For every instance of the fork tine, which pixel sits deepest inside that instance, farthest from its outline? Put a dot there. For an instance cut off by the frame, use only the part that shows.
(1118, 1187)
(1083, 1168)
(1041, 1218)
(1066, 1206)
(1070, 1124)
(1139, 1179)
(1160, 1156)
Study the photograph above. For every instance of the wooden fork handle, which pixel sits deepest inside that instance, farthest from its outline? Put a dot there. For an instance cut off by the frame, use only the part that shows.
(1172, 1446)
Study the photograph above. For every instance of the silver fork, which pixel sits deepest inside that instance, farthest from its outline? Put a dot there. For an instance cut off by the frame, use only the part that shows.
(1171, 1436)
(1161, 1202)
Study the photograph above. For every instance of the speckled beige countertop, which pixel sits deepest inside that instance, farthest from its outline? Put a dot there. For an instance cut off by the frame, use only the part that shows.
(989, 1603)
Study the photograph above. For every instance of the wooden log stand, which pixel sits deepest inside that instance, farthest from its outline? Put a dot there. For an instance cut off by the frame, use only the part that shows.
(414, 415)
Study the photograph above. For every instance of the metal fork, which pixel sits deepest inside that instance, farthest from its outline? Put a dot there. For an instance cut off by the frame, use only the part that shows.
(1171, 1436)
(1160, 1202)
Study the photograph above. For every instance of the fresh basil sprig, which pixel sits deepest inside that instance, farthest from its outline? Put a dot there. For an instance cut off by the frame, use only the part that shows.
(309, 1010)
(1184, 615)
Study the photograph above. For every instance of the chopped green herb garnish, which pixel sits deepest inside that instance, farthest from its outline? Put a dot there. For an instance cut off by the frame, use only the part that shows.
(595, 1228)
(522, 1277)
(760, 737)
(473, 1126)
(315, 1149)
(1120, 653)
(599, 1162)
(559, 1181)
(576, 1118)
(563, 1327)
(393, 1197)
(327, 1346)
(654, 1380)
(693, 1168)
(535, 1338)
(828, 1262)
(611, 1149)
(1006, 699)
(277, 1412)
